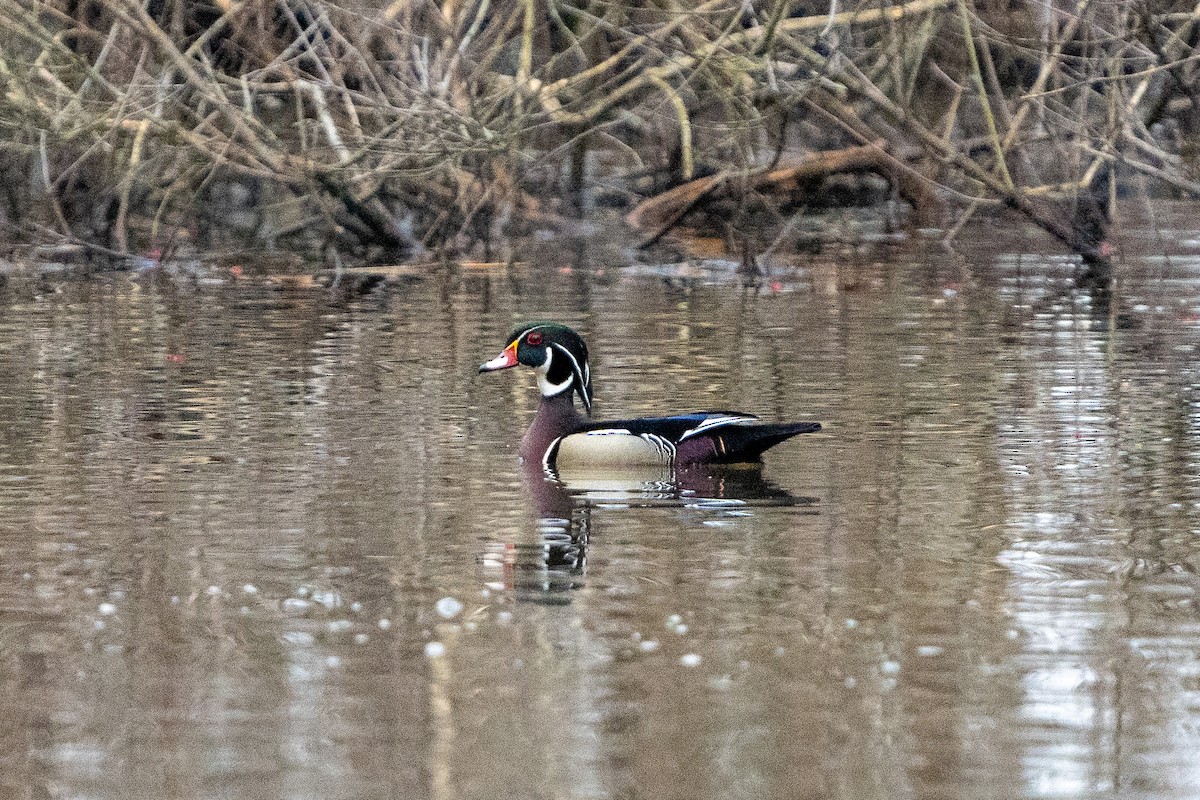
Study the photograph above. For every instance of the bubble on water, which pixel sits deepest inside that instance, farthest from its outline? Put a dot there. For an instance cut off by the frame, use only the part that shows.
(504, 617)
(648, 645)
(249, 588)
(213, 591)
(299, 638)
(294, 605)
(361, 638)
(674, 620)
(930, 650)
(339, 625)
(384, 624)
(851, 623)
(333, 662)
(690, 659)
(356, 606)
(890, 667)
(448, 608)
(328, 599)
(106, 609)
(434, 650)
(720, 683)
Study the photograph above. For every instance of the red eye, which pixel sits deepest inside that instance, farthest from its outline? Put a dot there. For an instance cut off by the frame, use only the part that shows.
(534, 338)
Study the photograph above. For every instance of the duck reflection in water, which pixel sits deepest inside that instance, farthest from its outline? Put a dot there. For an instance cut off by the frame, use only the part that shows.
(572, 466)
(553, 562)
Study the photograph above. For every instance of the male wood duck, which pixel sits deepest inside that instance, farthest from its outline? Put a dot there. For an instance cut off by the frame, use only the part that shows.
(561, 436)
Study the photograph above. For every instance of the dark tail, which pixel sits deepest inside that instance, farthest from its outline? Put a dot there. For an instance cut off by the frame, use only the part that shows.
(750, 442)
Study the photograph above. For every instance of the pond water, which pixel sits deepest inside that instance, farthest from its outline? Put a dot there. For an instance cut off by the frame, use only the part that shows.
(261, 540)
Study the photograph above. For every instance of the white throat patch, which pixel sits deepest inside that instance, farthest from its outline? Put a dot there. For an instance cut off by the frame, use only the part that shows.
(547, 388)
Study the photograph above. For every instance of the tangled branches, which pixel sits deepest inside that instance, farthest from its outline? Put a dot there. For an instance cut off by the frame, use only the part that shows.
(434, 122)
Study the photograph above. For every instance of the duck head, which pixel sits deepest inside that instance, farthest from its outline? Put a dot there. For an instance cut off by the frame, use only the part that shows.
(555, 352)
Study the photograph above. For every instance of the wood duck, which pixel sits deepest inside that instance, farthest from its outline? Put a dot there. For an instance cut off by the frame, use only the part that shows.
(561, 436)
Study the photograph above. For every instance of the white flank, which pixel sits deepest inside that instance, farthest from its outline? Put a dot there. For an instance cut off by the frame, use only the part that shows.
(664, 446)
(614, 447)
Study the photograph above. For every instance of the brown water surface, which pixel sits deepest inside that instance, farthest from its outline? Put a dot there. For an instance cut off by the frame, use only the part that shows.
(262, 542)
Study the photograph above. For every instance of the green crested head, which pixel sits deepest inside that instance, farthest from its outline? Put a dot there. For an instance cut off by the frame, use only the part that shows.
(556, 352)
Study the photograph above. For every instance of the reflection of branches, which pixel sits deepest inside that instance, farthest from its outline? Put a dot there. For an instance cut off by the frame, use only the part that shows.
(445, 113)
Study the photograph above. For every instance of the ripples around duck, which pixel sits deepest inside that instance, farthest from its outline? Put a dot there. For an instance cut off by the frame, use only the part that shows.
(263, 541)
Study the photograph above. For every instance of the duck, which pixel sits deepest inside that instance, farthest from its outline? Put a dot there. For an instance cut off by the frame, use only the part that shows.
(560, 436)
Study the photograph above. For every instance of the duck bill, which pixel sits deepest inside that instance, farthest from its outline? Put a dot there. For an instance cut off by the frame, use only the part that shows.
(503, 361)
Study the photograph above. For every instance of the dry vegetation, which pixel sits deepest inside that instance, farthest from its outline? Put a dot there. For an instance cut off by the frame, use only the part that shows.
(390, 126)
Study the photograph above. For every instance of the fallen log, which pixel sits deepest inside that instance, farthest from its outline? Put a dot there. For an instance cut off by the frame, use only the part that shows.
(657, 215)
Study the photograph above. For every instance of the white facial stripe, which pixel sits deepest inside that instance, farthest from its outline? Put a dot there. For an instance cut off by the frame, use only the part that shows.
(579, 373)
(547, 388)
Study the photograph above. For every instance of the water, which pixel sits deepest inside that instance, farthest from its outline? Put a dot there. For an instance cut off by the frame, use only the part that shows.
(258, 540)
